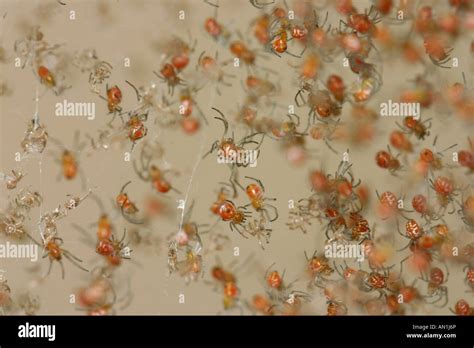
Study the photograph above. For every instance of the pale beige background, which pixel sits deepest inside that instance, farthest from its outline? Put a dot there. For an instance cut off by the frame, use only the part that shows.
(119, 29)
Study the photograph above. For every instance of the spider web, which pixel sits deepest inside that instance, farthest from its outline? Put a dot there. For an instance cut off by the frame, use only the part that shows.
(180, 215)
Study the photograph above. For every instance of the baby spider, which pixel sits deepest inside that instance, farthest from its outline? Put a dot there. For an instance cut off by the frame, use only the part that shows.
(421, 205)
(35, 139)
(257, 228)
(113, 99)
(462, 308)
(415, 126)
(376, 281)
(169, 74)
(390, 206)
(240, 50)
(358, 227)
(301, 216)
(261, 304)
(190, 268)
(12, 181)
(413, 232)
(150, 172)
(53, 249)
(278, 43)
(288, 130)
(188, 231)
(172, 256)
(225, 278)
(99, 72)
(222, 196)
(236, 216)
(336, 308)
(293, 303)
(128, 209)
(324, 131)
(436, 289)
(114, 249)
(437, 51)
(213, 71)
(431, 160)
(135, 127)
(229, 151)
(446, 193)
(364, 24)
(48, 221)
(68, 159)
(98, 297)
(12, 226)
(257, 88)
(344, 186)
(318, 269)
(276, 288)
(319, 101)
(256, 193)
(51, 81)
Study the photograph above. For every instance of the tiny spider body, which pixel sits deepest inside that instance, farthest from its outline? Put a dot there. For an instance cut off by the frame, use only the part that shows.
(55, 253)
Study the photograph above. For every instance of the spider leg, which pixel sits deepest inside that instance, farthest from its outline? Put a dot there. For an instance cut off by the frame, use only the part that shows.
(73, 259)
(234, 227)
(49, 267)
(214, 146)
(124, 186)
(135, 89)
(71, 256)
(223, 119)
(63, 271)
(275, 210)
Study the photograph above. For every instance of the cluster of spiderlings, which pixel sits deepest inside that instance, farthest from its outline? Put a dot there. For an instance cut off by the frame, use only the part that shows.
(284, 87)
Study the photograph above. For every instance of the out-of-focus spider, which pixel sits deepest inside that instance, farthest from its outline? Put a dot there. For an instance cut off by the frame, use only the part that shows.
(436, 290)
